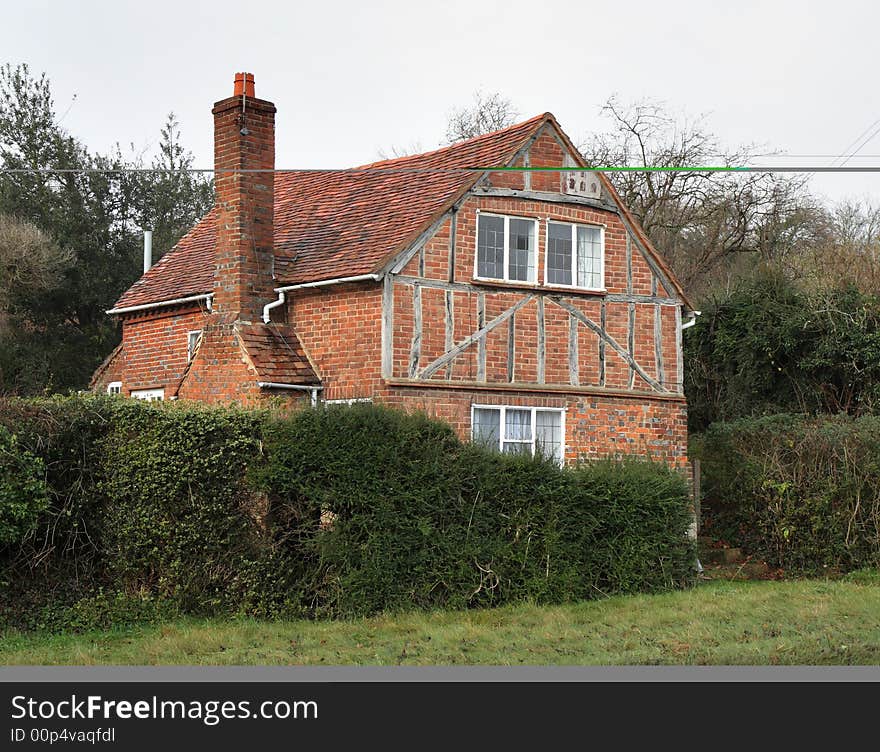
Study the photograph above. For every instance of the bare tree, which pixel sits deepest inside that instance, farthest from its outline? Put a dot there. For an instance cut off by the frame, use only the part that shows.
(396, 152)
(848, 254)
(488, 112)
(857, 224)
(701, 220)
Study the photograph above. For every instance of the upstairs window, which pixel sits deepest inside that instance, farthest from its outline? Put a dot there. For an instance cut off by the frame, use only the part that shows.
(520, 430)
(575, 255)
(506, 248)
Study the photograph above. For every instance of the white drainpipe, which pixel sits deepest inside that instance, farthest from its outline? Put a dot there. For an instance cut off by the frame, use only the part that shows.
(691, 321)
(323, 283)
(297, 387)
(269, 306)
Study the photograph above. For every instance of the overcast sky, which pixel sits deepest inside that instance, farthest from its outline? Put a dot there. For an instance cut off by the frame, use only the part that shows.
(353, 79)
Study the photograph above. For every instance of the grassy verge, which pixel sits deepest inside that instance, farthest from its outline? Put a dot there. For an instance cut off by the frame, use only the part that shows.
(719, 622)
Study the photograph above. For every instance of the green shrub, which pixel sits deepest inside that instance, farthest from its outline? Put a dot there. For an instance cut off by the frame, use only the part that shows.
(103, 610)
(23, 492)
(802, 493)
(337, 511)
(422, 519)
(177, 523)
(65, 434)
(769, 346)
(640, 543)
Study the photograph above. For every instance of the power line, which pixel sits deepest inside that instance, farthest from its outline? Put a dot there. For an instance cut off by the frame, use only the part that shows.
(442, 170)
(852, 144)
(864, 143)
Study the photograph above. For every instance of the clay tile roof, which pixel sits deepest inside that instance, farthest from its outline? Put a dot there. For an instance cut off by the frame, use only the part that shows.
(187, 269)
(341, 223)
(277, 354)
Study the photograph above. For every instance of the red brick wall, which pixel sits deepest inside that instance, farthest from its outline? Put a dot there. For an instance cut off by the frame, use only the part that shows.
(340, 329)
(546, 152)
(595, 426)
(155, 346)
(154, 356)
(111, 370)
(220, 371)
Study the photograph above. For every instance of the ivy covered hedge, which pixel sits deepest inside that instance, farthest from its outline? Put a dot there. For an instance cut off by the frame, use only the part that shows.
(138, 511)
(802, 493)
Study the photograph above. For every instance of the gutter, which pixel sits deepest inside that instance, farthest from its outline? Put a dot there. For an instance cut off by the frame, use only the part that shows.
(207, 297)
(336, 281)
(304, 285)
(296, 387)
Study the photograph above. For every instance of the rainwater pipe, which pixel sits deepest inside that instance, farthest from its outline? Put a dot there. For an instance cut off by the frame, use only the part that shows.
(296, 387)
(267, 317)
(691, 321)
(305, 285)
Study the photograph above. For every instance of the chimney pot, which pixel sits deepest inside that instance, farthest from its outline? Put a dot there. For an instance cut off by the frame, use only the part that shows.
(244, 84)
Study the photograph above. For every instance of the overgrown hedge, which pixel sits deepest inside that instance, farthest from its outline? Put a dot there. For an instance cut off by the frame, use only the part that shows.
(801, 492)
(770, 346)
(149, 511)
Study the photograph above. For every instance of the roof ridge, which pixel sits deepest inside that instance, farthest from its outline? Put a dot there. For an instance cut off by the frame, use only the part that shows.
(457, 144)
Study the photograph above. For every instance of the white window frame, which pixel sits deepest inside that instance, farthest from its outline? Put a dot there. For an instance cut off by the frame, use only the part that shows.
(149, 395)
(114, 387)
(191, 344)
(534, 412)
(351, 401)
(507, 217)
(574, 255)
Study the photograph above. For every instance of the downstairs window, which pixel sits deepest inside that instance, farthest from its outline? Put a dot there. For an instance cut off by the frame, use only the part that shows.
(149, 395)
(520, 430)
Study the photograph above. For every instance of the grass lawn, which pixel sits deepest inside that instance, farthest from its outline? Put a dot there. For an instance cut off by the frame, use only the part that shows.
(719, 622)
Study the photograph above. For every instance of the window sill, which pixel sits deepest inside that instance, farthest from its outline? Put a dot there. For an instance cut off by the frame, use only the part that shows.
(533, 287)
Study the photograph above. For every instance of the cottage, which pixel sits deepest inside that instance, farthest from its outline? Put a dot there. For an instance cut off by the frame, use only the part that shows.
(525, 307)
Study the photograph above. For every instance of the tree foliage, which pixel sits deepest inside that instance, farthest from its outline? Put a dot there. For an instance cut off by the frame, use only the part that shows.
(23, 490)
(90, 208)
(770, 345)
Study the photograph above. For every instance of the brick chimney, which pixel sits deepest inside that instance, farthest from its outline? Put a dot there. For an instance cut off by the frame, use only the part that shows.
(244, 139)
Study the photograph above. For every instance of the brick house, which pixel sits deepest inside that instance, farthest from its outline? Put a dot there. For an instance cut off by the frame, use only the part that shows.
(527, 308)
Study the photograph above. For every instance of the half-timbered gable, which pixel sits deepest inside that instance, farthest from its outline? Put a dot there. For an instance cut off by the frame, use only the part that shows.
(496, 283)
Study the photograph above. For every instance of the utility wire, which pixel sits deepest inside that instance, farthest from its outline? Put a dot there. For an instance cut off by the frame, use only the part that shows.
(442, 170)
(851, 145)
(864, 144)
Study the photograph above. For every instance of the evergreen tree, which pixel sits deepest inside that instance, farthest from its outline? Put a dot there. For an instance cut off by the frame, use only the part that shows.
(93, 208)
